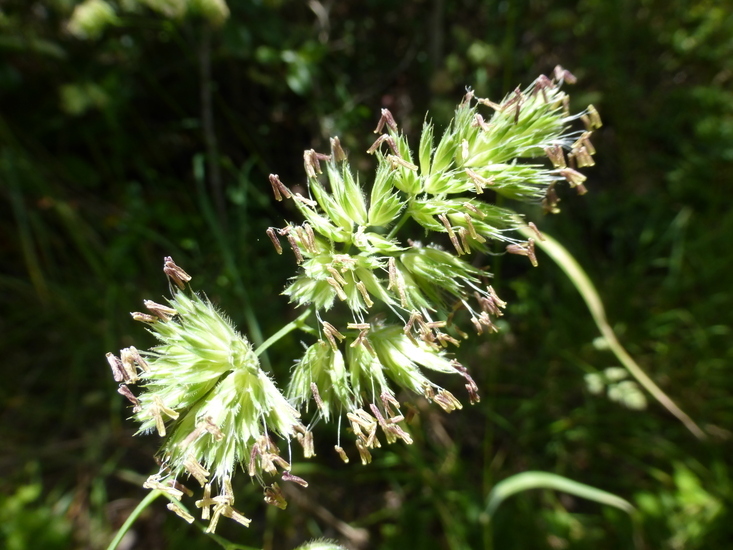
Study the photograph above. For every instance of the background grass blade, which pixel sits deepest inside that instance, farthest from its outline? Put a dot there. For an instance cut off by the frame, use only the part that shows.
(543, 480)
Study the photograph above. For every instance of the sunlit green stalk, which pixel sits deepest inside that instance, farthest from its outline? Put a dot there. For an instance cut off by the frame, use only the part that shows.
(590, 295)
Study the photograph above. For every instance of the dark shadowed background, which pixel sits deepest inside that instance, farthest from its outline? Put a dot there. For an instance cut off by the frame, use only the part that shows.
(154, 136)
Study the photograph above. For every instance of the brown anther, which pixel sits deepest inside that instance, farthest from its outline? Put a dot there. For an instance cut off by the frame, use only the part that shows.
(253, 454)
(317, 396)
(164, 313)
(556, 156)
(489, 103)
(445, 339)
(191, 437)
(531, 253)
(144, 317)
(525, 249)
(564, 75)
(381, 139)
(181, 487)
(501, 303)
(447, 401)
(541, 84)
(386, 119)
(128, 364)
(412, 412)
(124, 390)
(176, 274)
(473, 395)
(479, 121)
(389, 400)
(573, 177)
(451, 234)
(361, 287)
(537, 232)
(415, 316)
(479, 181)
(278, 188)
(468, 97)
(472, 230)
(583, 157)
(311, 163)
(337, 151)
(473, 209)
(212, 428)
(275, 497)
(310, 239)
(396, 161)
(137, 358)
(287, 476)
(331, 334)
(118, 371)
(550, 200)
(515, 99)
(275, 241)
(231, 513)
(294, 246)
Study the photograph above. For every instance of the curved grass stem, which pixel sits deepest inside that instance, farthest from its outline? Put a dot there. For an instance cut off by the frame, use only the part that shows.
(590, 295)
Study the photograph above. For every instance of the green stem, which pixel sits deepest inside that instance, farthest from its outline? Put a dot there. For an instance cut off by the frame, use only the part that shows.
(399, 224)
(144, 503)
(588, 291)
(291, 326)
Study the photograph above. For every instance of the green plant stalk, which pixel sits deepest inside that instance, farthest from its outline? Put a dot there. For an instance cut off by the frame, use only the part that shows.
(298, 323)
(144, 503)
(590, 295)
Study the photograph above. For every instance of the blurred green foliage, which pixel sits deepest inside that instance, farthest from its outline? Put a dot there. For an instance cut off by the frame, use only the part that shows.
(154, 136)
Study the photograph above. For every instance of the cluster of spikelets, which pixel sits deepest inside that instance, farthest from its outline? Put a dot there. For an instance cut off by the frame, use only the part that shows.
(349, 251)
(203, 388)
(205, 393)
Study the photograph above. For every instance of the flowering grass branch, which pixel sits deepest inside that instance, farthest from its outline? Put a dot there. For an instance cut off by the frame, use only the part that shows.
(388, 308)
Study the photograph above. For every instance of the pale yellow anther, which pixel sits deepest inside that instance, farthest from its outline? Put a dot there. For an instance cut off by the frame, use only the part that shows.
(180, 512)
(337, 287)
(196, 470)
(342, 454)
(396, 161)
(206, 503)
(153, 482)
